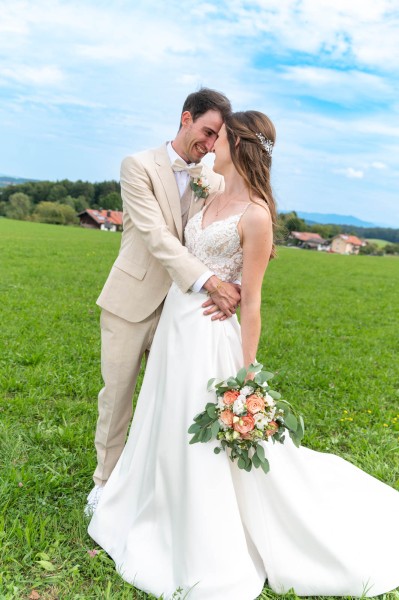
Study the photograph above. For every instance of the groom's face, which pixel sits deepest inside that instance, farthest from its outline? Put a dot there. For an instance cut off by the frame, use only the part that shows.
(199, 136)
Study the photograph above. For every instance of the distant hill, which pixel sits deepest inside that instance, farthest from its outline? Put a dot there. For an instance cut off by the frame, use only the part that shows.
(333, 219)
(6, 180)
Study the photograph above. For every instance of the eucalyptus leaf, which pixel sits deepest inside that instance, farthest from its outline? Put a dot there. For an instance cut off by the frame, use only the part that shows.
(268, 375)
(215, 428)
(194, 428)
(195, 439)
(217, 450)
(260, 378)
(295, 439)
(210, 383)
(291, 421)
(207, 435)
(255, 367)
(260, 451)
(256, 460)
(265, 466)
(241, 463)
(241, 375)
(275, 395)
(211, 411)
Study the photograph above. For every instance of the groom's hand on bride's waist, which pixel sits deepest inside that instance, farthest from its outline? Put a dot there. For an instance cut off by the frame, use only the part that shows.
(223, 299)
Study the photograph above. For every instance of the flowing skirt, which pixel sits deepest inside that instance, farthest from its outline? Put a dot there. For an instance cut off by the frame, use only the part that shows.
(179, 517)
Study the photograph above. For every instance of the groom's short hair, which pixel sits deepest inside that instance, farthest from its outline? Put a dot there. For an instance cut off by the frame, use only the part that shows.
(198, 103)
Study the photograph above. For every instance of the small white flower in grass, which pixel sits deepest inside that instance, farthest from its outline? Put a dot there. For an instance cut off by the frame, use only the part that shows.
(246, 390)
(239, 405)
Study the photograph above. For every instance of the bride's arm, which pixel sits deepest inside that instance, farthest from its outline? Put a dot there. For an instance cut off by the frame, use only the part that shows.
(257, 241)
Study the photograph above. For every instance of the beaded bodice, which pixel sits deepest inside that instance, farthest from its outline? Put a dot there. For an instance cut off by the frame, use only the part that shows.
(217, 245)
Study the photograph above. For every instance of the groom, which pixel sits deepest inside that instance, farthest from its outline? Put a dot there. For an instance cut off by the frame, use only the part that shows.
(157, 202)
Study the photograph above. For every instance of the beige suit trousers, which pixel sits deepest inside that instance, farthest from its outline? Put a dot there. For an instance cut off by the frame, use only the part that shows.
(123, 345)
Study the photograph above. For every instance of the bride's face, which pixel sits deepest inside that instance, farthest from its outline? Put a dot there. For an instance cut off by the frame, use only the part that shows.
(221, 149)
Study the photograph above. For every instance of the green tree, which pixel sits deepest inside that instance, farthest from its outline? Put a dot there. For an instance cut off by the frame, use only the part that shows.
(371, 249)
(53, 212)
(19, 207)
(68, 201)
(57, 193)
(81, 203)
(111, 201)
(391, 249)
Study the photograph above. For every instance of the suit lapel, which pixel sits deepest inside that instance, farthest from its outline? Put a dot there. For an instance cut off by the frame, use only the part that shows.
(167, 178)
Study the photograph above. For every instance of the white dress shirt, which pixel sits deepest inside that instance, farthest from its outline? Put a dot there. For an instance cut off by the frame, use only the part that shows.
(182, 179)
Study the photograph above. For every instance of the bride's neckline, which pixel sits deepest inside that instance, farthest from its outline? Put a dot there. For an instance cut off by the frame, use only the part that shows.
(218, 220)
(205, 208)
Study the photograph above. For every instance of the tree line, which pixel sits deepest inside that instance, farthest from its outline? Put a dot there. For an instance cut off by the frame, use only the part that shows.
(57, 202)
(290, 221)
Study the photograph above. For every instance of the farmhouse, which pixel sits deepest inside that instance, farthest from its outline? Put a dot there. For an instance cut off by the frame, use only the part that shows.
(307, 239)
(346, 244)
(106, 220)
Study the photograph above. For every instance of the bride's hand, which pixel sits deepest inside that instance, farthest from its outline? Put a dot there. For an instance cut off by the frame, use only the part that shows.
(224, 298)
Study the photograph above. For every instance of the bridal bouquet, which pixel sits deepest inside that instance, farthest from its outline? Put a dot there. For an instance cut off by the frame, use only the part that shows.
(245, 413)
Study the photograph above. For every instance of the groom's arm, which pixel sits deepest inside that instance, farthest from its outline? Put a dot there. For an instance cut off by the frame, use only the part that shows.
(145, 213)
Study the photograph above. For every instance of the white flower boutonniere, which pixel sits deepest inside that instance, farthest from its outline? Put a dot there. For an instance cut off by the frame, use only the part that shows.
(200, 187)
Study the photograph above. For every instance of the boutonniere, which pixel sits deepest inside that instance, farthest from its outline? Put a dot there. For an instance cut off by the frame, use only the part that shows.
(200, 187)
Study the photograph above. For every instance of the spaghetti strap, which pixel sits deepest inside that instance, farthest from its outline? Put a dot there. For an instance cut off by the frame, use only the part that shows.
(244, 211)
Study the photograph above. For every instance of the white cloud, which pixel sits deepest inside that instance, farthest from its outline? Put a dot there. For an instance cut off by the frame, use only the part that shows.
(379, 165)
(114, 75)
(358, 31)
(350, 172)
(44, 75)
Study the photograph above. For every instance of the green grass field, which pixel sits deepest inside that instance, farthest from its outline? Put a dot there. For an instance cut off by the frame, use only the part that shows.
(330, 329)
(380, 243)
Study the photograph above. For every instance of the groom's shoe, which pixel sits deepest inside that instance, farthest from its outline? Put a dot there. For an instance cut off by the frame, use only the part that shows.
(92, 500)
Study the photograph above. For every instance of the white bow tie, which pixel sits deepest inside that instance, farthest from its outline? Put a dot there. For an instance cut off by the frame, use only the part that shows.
(193, 170)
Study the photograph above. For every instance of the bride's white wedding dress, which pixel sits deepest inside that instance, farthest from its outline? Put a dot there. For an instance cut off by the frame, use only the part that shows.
(178, 516)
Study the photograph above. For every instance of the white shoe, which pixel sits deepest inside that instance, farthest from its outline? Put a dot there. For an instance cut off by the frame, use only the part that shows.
(92, 500)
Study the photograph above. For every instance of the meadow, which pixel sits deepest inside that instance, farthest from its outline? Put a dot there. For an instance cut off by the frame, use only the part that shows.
(330, 331)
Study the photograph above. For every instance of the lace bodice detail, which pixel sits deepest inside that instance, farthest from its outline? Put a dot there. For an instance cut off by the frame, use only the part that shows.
(217, 246)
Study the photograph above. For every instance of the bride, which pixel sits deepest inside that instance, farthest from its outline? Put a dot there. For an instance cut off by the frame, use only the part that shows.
(175, 516)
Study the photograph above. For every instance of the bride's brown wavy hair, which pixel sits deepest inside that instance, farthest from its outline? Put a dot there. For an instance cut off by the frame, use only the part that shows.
(250, 158)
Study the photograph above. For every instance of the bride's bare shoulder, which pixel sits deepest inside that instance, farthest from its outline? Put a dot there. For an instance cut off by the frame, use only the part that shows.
(257, 212)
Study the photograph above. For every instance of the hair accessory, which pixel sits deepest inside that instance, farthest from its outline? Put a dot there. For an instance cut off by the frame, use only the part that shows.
(267, 145)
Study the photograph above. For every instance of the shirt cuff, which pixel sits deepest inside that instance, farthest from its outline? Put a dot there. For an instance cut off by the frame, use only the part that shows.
(197, 285)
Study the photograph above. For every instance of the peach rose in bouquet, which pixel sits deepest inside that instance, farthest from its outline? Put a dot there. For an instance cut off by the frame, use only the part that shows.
(230, 397)
(226, 416)
(244, 424)
(255, 404)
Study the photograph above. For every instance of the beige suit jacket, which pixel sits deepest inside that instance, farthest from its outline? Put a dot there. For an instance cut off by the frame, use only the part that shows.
(152, 254)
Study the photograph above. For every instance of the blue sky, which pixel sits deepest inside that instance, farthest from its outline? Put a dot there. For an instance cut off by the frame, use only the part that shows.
(83, 83)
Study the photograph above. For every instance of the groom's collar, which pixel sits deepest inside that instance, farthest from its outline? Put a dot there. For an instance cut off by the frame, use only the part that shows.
(173, 154)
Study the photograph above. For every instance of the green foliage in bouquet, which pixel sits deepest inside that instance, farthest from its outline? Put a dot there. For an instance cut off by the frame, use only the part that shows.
(247, 412)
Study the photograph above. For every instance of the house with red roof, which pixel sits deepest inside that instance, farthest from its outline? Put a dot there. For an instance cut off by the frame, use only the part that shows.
(106, 220)
(346, 244)
(308, 239)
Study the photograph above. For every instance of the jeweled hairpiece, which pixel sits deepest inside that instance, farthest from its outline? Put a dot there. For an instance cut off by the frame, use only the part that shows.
(267, 145)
